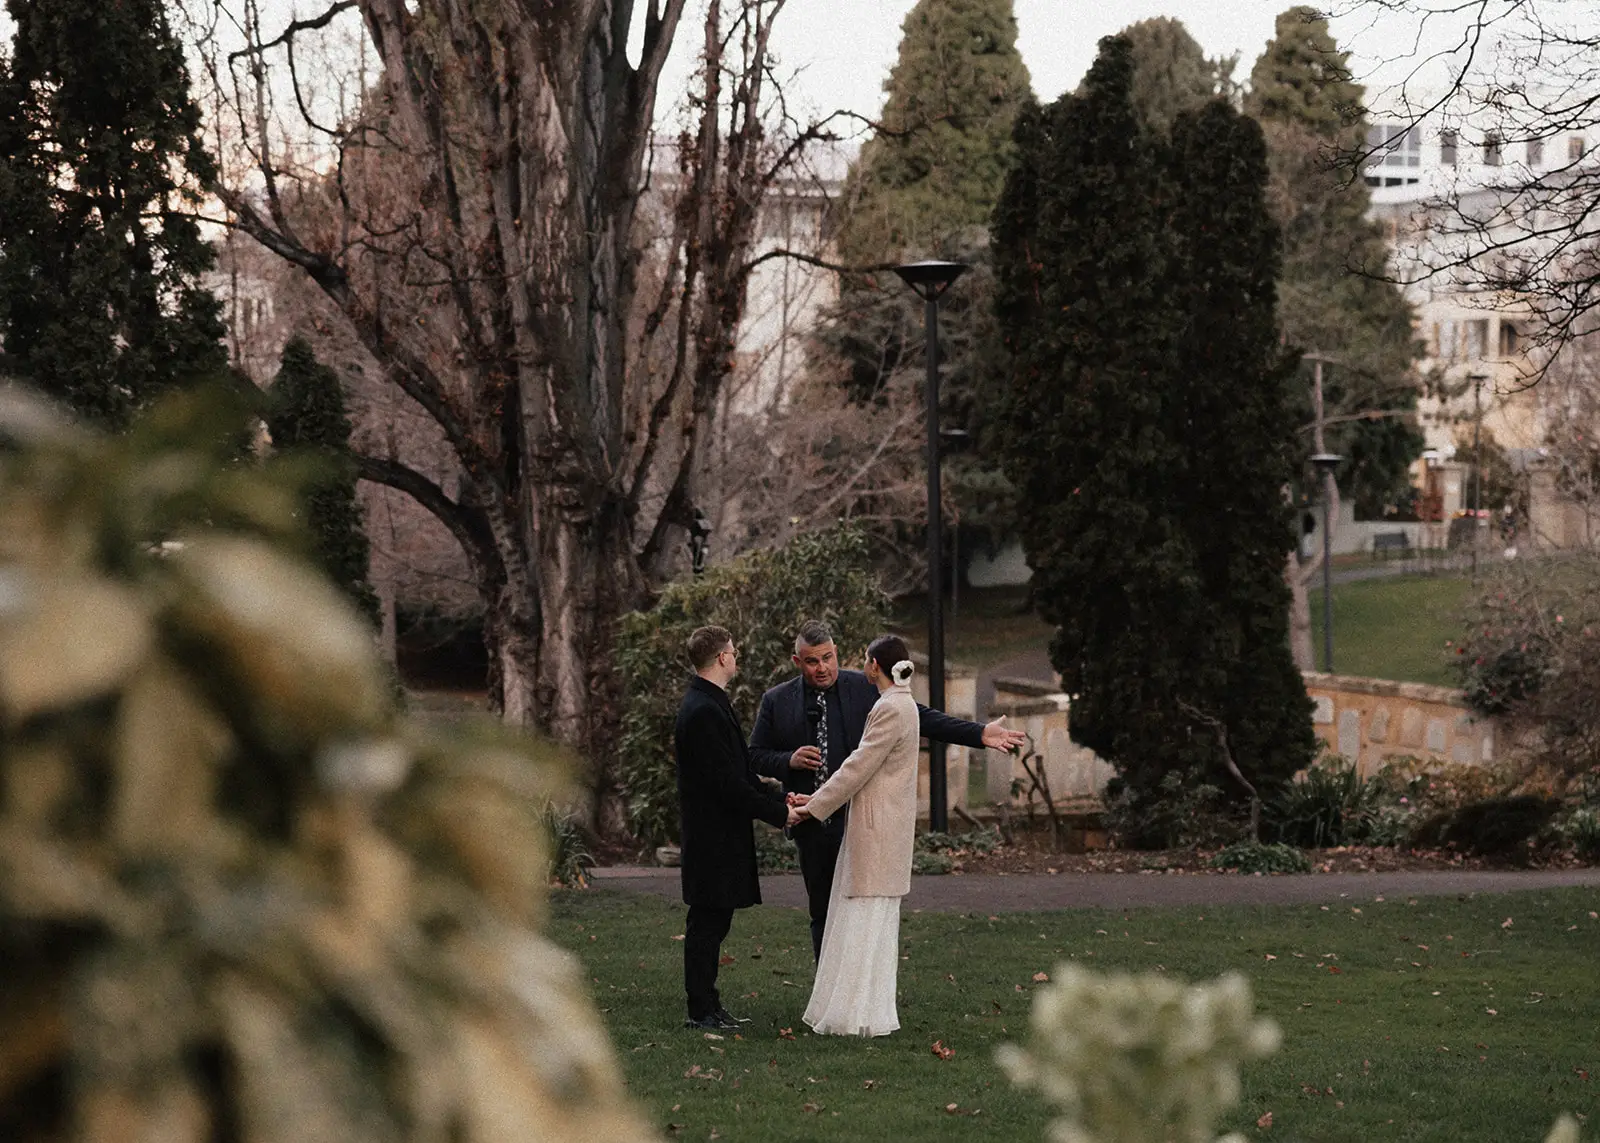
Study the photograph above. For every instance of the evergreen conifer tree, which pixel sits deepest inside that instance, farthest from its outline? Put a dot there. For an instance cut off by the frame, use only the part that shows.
(100, 256)
(1333, 297)
(306, 416)
(929, 177)
(924, 187)
(1150, 430)
(1171, 73)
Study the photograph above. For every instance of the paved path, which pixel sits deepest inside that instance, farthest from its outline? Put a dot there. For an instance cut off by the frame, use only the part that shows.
(1033, 892)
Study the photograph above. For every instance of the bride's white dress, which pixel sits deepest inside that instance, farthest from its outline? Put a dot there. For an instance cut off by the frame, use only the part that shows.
(856, 974)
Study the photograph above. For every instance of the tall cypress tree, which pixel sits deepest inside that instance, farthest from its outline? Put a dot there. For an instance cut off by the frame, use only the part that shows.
(929, 176)
(1149, 422)
(1332, 294)
(306, 417)
(1171, 73)
(100, 257)
(924, 187)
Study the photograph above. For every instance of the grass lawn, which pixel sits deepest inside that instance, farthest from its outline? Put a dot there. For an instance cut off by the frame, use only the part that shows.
(989, 626)
(1438, 1020)
(1393, 628)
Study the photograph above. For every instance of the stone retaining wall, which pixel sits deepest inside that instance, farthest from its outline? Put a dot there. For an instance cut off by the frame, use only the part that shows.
(1369, 721)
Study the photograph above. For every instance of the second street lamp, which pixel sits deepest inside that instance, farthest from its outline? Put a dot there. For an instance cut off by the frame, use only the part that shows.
(930, 280)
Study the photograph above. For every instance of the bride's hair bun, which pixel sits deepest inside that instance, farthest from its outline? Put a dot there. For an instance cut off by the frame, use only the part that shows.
(902, 671)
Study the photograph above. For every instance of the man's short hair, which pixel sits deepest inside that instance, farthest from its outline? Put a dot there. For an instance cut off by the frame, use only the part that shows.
(706, 643)
(812, 633)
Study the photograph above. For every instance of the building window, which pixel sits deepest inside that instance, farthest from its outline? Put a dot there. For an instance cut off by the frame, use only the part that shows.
(1491, 149)
(1510, 338)
(1574, 148)
(1447, 148)
(1477, 338)
(1535, 152)
(1397, 149)
(1447, 338)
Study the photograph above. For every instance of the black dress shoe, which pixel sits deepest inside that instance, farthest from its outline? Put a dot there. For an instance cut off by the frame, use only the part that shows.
(716, 1022)
(729, 1018)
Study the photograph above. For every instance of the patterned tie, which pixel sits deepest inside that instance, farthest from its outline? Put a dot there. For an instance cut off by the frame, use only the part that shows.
(822, 738)
(821, 773)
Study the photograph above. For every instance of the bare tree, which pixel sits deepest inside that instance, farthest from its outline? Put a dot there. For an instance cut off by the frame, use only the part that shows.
(480, 225)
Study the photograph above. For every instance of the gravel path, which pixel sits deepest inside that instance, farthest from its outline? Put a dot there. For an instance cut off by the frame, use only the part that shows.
(1034, 892)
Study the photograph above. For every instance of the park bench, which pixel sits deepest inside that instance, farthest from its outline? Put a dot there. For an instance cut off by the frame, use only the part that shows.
(1386, 543)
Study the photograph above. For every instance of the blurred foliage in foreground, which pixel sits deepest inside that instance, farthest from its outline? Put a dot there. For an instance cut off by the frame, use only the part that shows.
(240, 897)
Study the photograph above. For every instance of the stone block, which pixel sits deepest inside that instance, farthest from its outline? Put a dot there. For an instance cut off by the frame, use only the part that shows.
(1411, 727)
(1378, 728)
(1322, 711)
(1437, 739)
(1350, 734)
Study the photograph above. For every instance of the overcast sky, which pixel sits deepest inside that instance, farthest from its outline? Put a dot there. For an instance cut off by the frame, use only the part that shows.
(838, 53)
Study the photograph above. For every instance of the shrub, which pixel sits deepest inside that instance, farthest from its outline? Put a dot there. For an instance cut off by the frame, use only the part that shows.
(1330, 805)
(1186, 811)
(1253, 857)
(1532, 658)
(984, 840)
(924, 862)
(775, 853)
(1494, 826)
(570, 859)
(762, 598)
(1580, 829)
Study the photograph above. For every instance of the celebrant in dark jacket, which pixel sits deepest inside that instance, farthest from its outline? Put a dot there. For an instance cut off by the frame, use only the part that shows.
(808, 725)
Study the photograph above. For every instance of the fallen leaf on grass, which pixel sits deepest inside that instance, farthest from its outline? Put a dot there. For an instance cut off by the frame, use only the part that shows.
(813, 1108)
(957, 1109)
(714, 1036)
(1335, 969)
(785, 1033)
(725, 960)
(679, 937)
(1269, 956)
(1506, 924)
(1265, 1121)
(697, 1072)
(869, 1084)
(941, 1051)
(1491, 1012)
(1041, 977)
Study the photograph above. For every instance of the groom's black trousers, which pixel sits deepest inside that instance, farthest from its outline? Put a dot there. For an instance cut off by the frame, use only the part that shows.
(703, 933)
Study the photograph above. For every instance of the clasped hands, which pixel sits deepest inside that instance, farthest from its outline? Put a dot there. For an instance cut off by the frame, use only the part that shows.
(797, 808)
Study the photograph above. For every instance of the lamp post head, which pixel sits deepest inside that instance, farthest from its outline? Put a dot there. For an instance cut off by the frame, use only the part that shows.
(930, 279)
(1326, 461)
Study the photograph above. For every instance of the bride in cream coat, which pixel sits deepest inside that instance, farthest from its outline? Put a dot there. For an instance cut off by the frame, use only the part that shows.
(854, 993)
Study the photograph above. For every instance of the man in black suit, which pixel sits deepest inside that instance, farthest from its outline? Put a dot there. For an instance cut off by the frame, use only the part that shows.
(718, 794)
(807, 726)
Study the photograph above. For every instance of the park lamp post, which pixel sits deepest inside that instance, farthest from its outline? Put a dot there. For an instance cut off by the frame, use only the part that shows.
(930, 280)
(1325, 463)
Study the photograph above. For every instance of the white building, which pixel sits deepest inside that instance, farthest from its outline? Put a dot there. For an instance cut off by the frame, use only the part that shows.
(1453, 191)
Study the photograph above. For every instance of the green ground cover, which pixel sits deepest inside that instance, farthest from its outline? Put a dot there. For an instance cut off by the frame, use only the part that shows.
(1405, 1021)
(987, 626)
(1395, 627)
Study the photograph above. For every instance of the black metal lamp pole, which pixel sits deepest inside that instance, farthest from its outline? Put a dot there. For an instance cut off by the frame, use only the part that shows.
(930, 280)
(1325, 463)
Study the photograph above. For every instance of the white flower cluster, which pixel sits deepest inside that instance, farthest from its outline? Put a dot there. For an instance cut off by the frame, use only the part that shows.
(1138, 1059)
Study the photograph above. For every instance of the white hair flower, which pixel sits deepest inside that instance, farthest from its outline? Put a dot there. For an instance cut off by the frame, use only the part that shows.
(901, 672)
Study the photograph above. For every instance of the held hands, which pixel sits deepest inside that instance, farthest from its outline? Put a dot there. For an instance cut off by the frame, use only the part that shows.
(805, 758)
(998, 737)
(797, 808)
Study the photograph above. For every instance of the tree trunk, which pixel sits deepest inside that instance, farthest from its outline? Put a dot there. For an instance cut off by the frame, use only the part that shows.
(1299, 615)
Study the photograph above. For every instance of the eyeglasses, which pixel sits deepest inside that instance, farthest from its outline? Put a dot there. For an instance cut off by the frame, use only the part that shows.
(730, 651)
